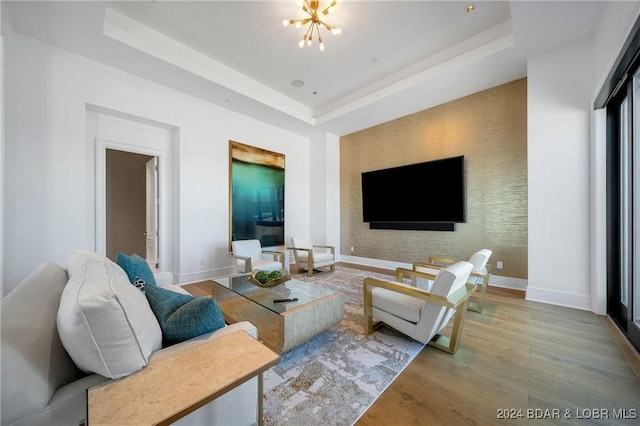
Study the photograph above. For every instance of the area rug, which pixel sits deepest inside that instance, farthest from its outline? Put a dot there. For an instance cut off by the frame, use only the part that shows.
(333, 378)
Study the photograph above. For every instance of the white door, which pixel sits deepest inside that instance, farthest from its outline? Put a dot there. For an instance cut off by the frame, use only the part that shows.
(151, 233)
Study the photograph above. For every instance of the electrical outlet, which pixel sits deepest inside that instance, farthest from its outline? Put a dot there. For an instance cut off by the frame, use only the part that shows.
(499, 264)
(351, 249)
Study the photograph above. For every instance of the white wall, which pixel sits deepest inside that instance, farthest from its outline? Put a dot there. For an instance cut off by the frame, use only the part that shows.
(50, 179)
(558, 131)
(567, 192)
(324, 187)
(1, 165)
(6, 27)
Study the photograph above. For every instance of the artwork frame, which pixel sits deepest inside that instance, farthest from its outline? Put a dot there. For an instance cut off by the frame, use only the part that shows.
(256, 194)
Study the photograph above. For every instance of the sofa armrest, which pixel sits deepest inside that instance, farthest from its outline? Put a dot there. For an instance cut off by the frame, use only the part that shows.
(203, 338)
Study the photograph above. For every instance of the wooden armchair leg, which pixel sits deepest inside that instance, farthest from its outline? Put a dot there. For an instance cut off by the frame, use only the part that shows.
(477, 306)
(368, 314)
(450, 344)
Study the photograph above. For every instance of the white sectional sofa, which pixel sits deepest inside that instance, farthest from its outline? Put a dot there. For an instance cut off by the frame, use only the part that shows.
(42, 385)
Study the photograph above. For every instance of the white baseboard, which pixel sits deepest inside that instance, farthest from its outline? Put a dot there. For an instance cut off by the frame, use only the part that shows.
(496, 280)
(508, 282)
(560, 298)
(375, 263)
(570, 300)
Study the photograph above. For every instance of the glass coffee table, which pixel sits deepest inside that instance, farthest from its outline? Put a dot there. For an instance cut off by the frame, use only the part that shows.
(281, 325)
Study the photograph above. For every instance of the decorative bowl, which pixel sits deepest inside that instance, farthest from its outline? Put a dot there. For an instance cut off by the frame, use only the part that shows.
(270, 283)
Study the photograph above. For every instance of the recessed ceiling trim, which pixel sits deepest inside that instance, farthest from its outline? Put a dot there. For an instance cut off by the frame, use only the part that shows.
(145, 39)
(478, 47)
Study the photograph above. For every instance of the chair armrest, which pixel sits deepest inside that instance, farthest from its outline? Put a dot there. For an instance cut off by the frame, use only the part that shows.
(246, 259)
(443, 260)
(277, 255)
(237, 256)
(299, 248)
(480, 275)
(485, 276)
(402, 273)
(454, 300)
(427, 265)
(332, 249)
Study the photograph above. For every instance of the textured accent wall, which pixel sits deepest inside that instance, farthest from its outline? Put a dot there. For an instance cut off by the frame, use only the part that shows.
(490, 129)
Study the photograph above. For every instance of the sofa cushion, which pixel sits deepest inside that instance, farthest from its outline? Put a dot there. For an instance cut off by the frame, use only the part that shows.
(182, 316)
(136, 267)
(105, 323)
(34, 362)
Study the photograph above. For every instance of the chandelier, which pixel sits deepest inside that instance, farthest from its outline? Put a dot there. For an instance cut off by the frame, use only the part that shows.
(315, 23)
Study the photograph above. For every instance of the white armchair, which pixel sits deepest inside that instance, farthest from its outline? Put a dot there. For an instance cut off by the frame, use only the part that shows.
(419, 313)
(311, 257)
(250, 256)
(479, 276)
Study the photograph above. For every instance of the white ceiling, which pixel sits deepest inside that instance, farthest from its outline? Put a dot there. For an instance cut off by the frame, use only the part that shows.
(393, 58)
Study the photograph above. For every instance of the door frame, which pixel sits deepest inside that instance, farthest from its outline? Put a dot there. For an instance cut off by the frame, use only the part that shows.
(152, 185)
(163, 195)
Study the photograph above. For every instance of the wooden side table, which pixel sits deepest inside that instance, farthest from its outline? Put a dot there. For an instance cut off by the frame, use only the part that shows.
(178, 385)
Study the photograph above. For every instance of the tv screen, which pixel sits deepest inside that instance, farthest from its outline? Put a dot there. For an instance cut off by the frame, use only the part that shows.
(425, 192)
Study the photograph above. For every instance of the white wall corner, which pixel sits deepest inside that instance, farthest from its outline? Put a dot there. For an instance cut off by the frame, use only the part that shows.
(2, 168)
(324, 189)
(333, 190)
(558, 164)
(598, 210)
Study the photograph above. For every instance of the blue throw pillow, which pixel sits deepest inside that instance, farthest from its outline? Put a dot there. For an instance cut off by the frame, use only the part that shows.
(182, 316)
(136, 267)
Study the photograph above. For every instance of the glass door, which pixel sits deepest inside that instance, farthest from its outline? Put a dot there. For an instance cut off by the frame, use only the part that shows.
(623, 204)
(633, 155)
(621, 97)
(625, 212)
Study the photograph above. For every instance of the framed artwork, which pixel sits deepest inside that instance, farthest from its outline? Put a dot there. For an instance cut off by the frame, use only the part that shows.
(256, 194)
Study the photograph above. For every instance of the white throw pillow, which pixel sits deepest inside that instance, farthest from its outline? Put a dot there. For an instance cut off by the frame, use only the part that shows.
(105, 323)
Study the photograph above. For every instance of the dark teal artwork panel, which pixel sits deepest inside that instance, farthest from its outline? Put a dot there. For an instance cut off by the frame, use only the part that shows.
(257, 202)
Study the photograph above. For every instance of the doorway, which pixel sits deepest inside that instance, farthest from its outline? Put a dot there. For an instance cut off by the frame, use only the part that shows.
(131, 205)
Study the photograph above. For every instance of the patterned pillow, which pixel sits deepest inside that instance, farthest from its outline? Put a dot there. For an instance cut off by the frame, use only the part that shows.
(136, 267)
(140, 284)
(182, 316)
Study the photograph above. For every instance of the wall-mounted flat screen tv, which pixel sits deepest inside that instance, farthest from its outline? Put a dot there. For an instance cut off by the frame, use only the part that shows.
(429, 192)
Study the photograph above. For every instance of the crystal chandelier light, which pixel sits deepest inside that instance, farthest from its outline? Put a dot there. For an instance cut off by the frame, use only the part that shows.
(315, 23)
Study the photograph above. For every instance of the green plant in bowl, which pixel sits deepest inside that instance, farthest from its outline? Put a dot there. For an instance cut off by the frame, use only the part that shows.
(262, 276)
(275, 275)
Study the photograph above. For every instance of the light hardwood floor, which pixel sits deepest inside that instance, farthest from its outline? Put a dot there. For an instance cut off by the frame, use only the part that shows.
(514, 357)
